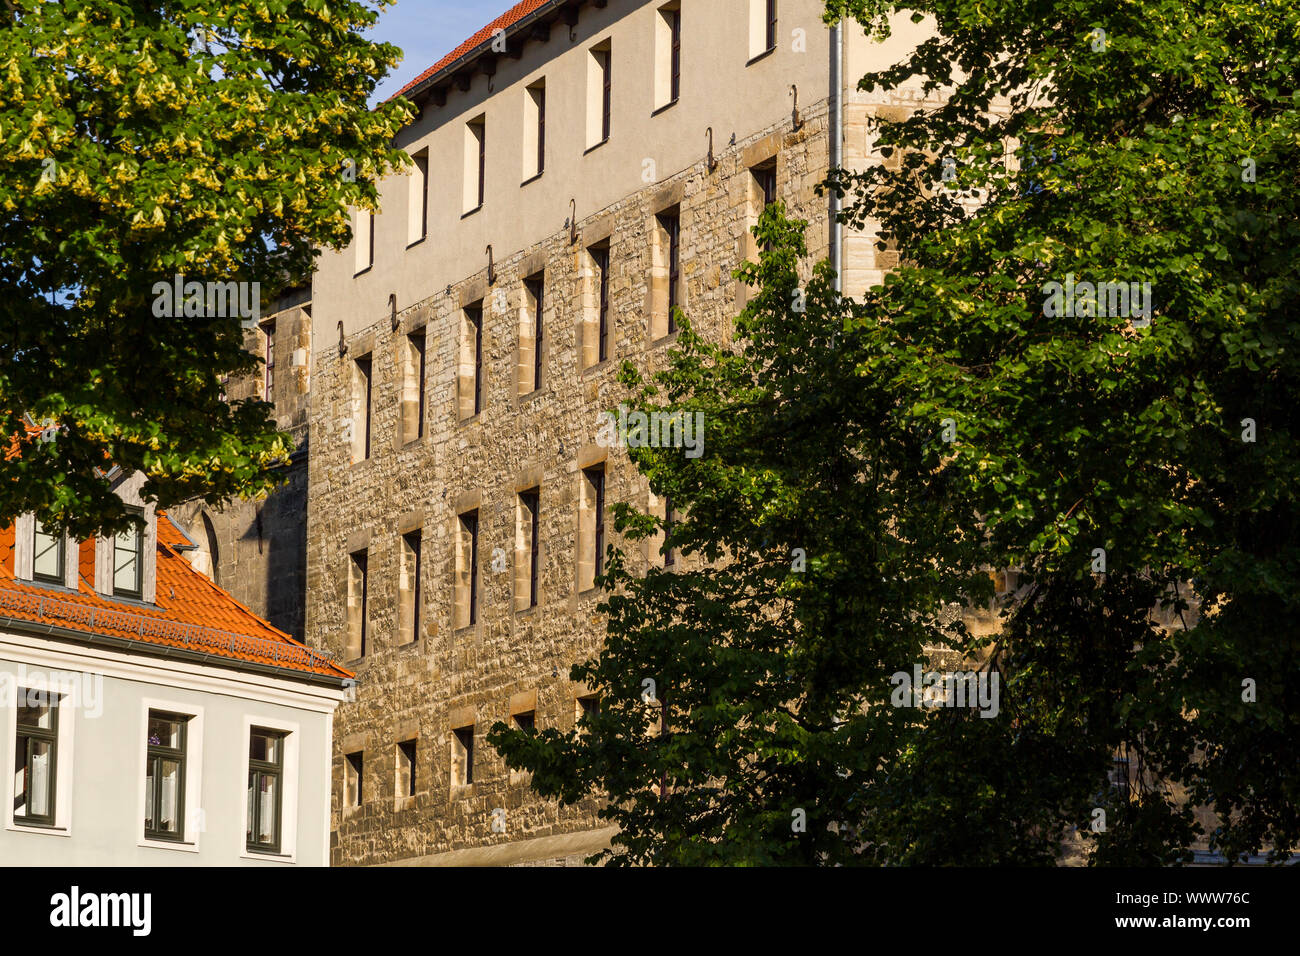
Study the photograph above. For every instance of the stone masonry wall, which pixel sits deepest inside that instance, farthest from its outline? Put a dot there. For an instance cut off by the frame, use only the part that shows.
(450, 677)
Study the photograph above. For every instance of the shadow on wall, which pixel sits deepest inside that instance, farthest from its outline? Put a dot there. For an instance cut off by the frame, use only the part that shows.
(279, 528)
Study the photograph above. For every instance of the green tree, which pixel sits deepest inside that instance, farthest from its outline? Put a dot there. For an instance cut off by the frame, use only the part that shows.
(213, 139)
(1119, 458)
(1135, 464)
(767, 714)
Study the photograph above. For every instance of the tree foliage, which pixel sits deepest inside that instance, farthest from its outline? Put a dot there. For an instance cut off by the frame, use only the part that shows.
(218, 140)
(1136, 467)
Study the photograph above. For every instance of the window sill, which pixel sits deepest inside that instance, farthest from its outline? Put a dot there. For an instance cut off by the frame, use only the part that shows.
(592, 149)
(412, 245)
(472, 420)
(465, 629)
(267, 856)
(525, 612)
(602, 365)
(666, 107)
(48, 830)
(532, 179)
(760, 56)
(48, 586)
(466, 215)
(665, 339)
(169, 845)
(357, 275)
(403, 803)
(533, 396)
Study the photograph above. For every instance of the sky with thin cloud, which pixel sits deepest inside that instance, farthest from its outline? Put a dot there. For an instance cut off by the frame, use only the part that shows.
(427, 30)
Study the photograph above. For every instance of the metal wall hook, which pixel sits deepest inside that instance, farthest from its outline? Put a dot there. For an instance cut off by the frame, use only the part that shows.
(392, 309)
(573, 221)
(492, 271)
(795, 119)
(712, 160)
(343, 345)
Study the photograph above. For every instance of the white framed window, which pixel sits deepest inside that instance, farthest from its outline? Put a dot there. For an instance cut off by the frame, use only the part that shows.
(269, 829)
(38, 749)
(170, 748)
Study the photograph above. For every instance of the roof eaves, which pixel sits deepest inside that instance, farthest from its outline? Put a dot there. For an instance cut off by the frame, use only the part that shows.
(180, 653)
(455, 66)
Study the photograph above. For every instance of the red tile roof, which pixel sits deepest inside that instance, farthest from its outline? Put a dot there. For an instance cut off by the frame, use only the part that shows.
(503, 22)
(192, 613)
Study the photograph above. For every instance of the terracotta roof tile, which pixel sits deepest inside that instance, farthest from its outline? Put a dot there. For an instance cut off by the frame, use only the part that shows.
(191, 612)
(506, 20)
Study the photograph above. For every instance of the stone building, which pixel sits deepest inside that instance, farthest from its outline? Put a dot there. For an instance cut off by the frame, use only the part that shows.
(579, 167)
(256, 550)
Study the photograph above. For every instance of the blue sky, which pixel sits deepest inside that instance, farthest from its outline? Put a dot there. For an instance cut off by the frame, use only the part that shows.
(427, 30)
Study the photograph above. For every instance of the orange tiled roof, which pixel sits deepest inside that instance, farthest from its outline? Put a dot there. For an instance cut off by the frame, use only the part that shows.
(506, 20)
(191, 613)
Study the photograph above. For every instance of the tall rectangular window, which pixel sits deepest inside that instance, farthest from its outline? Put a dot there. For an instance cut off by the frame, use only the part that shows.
(596, 334)
(462, 756)
(36, 757)
(762, 27)
(406, 777)
(607, 97)
(363, 240)
(467, 570)
(536, 289)
(534, 131)
(670, 522)
(413, 373)
(764, 186)
(265, 789)
(128, 562)
(409, 588)
(164, 793)
(591, 527)
(358, 604)
(599, 94)
(49, 556)
(668, 55)
(268, 360)
(598, 490)
(362, 393)
(353, 779)
(470, 378)
(417, 210)
(771, 24)
(528, 550)
(672, 226)
(475, 163)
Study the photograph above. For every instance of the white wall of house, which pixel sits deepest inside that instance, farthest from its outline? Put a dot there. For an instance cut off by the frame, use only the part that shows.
(100, 763)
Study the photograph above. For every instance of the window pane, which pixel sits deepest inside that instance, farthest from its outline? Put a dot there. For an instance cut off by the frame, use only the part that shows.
(267, 795)
(48, 555)
(38, 780)
(149, 779)
(264, 747)
(126, 561)
(35, 710)
(252, 788)
(170, 797)
(164, 732)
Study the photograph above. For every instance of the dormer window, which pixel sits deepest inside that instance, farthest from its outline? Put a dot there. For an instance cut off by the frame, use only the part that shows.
(48, 556)
(128, 563)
